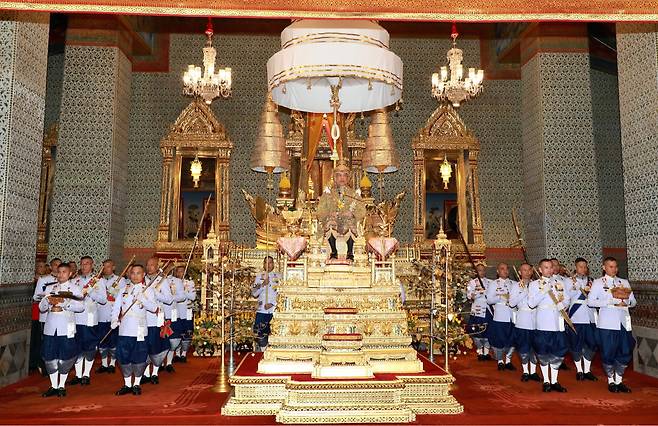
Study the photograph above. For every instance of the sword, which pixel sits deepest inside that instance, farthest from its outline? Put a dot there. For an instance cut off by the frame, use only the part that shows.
(470, 259)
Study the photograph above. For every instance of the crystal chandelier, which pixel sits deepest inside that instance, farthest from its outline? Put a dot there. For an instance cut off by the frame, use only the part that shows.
(454, 87)
(207, 85)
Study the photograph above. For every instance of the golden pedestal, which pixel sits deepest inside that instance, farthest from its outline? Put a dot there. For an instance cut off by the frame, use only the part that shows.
(339, 351)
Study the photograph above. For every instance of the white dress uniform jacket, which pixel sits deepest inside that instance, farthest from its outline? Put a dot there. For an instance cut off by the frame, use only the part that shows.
(583, 314)
(266, 294)
(477, 294)
(96, 295)
(548, 313)
(525, 315)
(133, 322)
(161, 294)
(611, 317)
(112, 290)
(61, 320)
(185, 310)
(498, 295)
(178, 294)
(40, 291)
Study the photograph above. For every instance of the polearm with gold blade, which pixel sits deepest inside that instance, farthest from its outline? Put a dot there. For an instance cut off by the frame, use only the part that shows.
(196, 236)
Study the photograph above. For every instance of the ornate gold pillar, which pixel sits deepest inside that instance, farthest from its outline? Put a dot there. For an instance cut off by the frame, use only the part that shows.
(45, 189)
(165, 207)
(419, 195)
(473, 190)
(223, 198)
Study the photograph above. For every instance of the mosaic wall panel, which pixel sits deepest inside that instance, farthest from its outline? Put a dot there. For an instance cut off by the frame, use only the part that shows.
(561, 170)
(610, 171)
(87, 202)
(637, 50)
(23, 56)
(157, 101)
(23, 60)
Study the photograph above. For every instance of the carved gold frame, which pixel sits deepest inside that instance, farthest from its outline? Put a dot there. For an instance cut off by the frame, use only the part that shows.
(46, 188)
(446, 133)
(195, 132)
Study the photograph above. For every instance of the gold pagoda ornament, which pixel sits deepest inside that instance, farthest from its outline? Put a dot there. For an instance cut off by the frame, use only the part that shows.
(195, 170)
(379, 155)
(269, 154)
(445, 171)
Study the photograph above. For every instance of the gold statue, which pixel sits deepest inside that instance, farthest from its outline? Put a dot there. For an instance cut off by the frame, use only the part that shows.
(340, 209)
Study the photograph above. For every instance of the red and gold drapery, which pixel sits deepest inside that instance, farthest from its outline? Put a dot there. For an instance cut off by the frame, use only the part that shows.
(420, 10)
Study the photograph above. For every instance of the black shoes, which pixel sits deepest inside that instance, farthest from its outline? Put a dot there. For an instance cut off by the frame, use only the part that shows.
(350, 257)
(501, 366)
(183, 359)
(50, 392)
(486, 357)
(75, 381)
(169, 368)
(102, 369)
(85, 381)
(509, 366)
(546, 387)
(563, 366)
(137, 390)
(61, 392)
(333, 256)
(154, 380)
(480, 357)
(534, 377)
(613, 388)
(176, 359)
(125, 390)
(558, 388)
(589, 376)
(525, 377)
(580, 376)
(623, 388)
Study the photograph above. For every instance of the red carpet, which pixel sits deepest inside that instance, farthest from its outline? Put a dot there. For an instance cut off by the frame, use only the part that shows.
(186, 397)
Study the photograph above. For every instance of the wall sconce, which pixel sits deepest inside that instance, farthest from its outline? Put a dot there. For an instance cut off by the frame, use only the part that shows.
(446, 171)
(196, 169)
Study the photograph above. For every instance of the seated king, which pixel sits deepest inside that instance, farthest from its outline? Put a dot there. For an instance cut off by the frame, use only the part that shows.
(340, 209)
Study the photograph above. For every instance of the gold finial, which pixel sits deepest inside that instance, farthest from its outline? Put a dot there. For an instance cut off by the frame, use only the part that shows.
(365, 184)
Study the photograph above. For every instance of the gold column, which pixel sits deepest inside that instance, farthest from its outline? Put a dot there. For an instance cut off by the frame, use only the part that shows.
(45, 189)
(165, 206)
(357, 166)
(419, 195)
(222, 185)
(474, 194)
(461, 189)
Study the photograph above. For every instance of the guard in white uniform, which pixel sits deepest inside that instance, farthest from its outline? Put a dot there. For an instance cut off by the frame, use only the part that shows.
(582, 343)
(172, 321)
(548, 296)
(186, 318)
(264, 289)
(481, 313)
(87, 322)
(524, 326)
(129, 315)
(157, 343)
(113, 284)
(613, 296)
(501, 329)
(37, 334)
(59, 349)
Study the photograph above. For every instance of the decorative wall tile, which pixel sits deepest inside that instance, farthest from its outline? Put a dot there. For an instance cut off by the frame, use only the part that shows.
(157, 100)
(23, 56)
(88, 197)
(23, 59)
(560, 170)
(610, 170)
(637, 55)
(53, 90)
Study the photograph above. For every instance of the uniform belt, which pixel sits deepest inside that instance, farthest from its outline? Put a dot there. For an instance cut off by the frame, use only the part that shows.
(525, 310)
(579, 302)
(618, 306)
(547, 307)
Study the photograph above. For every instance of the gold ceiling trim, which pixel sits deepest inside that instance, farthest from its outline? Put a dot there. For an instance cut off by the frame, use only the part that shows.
(601, 10)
